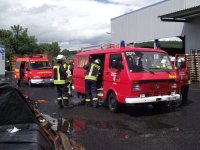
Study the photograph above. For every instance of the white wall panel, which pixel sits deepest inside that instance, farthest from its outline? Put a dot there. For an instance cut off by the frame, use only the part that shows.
(145, 25)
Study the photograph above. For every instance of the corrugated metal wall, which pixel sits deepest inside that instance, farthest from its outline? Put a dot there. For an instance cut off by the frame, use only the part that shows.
(145, 25)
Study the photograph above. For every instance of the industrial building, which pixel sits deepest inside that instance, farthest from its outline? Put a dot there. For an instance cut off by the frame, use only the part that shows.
(166, 19)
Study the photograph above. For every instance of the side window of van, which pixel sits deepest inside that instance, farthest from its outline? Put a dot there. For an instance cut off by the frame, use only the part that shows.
(116, 61)
(82, 60)
(27, 66)
(18, 64)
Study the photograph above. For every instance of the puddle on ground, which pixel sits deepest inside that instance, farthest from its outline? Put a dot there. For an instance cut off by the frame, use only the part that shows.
(74, 127)
(157, 124)
(71, 127)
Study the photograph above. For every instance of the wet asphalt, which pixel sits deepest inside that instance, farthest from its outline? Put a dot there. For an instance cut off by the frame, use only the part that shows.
(133, 128)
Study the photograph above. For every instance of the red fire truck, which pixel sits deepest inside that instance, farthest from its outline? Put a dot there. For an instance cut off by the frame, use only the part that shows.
(34, 69)
(130, 75)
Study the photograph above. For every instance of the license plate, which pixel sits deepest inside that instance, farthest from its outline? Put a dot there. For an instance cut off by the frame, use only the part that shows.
(158, 99)
(46, 80)
(172, 98)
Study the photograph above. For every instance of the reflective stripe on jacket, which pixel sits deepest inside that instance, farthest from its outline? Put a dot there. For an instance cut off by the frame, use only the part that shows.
(92, 72)
(59, 74)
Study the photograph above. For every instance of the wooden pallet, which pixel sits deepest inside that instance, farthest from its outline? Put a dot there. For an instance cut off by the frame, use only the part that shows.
(194, 67)
(13, 58)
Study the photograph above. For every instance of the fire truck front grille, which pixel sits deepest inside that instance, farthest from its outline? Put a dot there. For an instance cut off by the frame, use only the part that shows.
(156, 93)
(46, 77)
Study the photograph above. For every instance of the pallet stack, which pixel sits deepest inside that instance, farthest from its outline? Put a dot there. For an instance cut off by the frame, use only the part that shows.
(13, 58)
(194, 67)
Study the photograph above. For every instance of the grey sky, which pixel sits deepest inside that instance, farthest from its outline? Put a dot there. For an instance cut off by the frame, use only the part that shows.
(72, 23)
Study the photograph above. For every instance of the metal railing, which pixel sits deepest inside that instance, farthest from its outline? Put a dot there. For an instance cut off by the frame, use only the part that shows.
(99, 47)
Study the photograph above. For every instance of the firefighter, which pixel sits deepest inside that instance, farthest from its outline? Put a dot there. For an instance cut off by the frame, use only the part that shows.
(184, 91)
(181, 63)
(92, 72)
(60, 77)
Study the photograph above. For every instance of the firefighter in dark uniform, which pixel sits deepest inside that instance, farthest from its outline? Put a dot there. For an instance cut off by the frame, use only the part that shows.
(91, 77)
(184, 91)
(60, 81)
(186, 82)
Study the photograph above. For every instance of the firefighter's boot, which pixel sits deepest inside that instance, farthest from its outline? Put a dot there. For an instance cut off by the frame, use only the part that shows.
(65, 101)
(59, 100)
(88, 102)
(95, 104)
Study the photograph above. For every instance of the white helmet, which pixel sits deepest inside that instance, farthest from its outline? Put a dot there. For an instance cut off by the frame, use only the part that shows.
(181, 59)
(97, 61)
(172, 59)
(61, 57)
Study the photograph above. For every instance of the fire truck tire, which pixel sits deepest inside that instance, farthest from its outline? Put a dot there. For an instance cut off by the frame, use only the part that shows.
(113, 104)
(29, 83)
(18, 83)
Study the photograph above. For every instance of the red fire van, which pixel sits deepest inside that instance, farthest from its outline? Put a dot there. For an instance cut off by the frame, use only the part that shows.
(33, 69)
(130, 75)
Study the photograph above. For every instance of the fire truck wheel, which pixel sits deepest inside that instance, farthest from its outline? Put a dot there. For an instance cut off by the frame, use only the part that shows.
(18, 83)
(113, 104)
(29, 83)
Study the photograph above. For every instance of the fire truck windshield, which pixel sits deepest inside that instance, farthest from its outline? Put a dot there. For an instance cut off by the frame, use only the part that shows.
(40, 65)
(148, 61)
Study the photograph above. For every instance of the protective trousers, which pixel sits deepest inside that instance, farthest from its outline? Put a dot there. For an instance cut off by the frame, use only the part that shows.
(91, 90)
(62, 97)
(184, 92)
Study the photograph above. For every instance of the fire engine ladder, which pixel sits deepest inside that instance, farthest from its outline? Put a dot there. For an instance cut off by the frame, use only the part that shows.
(98, 47)
(60, 140)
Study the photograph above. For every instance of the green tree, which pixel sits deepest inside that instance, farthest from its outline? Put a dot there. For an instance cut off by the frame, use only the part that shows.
(4, 38)
(55, 49)
(65, 52)
(18, 41)
(43, 48)
(52, 49)
(21, 42)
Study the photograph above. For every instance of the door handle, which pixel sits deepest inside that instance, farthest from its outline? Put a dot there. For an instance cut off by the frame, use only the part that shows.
(107, 73)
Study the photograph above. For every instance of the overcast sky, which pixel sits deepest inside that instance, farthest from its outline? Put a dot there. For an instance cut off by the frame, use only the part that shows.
(71, 23)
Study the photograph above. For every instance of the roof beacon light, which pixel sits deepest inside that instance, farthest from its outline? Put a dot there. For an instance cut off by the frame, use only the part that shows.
(122, 44)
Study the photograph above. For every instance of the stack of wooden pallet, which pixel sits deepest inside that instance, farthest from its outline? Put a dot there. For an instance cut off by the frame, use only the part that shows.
(13, 58)
(194, 67)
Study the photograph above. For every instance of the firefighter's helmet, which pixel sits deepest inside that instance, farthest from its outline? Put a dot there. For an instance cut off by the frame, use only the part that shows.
(61, 57)
(97, 61)
(181, 59)
(172, 59)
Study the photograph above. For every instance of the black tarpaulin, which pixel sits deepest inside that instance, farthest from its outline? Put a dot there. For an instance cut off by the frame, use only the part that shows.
(14, 108)
(29, 137)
